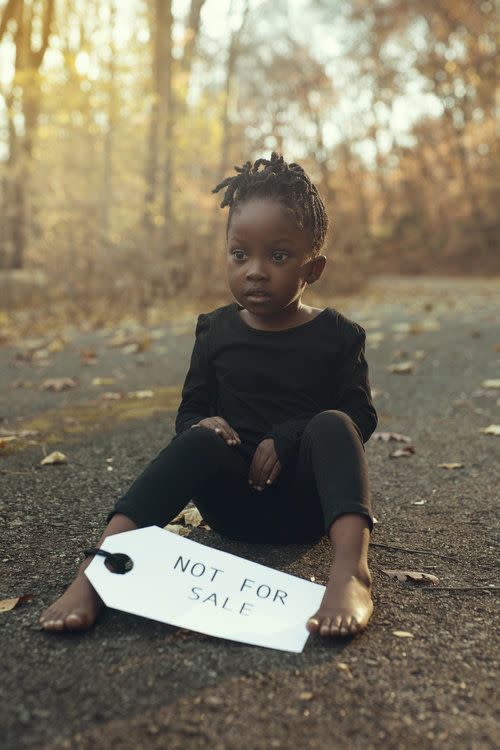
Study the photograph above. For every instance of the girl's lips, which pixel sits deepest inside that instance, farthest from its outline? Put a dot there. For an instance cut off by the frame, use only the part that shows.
(260, 297)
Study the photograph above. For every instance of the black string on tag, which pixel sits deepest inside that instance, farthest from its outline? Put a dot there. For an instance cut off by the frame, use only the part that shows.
(116, 562)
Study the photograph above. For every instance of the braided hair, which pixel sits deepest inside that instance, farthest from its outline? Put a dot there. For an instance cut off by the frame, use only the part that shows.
(287, 183)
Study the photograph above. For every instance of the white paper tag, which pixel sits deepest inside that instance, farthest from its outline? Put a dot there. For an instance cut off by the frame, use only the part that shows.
(184, 583)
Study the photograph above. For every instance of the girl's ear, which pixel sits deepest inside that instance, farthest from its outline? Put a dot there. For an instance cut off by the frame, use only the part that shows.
(317, 267)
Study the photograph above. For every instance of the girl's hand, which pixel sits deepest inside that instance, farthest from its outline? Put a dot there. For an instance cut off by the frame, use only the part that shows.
(265, 465)
(219, 425)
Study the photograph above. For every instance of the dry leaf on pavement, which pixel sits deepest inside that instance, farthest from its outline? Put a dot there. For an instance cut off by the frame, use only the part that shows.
(54, 458)
(401, 368)
(7, 604)
(408, 450)
(492, 383)
(492, 429)
(386, 436)
(177, 528)
(103, 381)
(6, 440)
(58, 384)
(451, 466)
(414, 576)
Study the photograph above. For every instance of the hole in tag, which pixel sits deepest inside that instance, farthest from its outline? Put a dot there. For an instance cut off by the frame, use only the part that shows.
(118, 562)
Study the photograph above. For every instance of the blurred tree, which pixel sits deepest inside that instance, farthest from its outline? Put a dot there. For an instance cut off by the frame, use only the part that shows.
(30, 25)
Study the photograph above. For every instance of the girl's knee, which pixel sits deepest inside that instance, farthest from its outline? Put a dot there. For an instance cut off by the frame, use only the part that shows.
(196, 436)
(332, 420)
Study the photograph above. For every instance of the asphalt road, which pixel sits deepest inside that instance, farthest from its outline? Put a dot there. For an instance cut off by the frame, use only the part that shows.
(135, 683)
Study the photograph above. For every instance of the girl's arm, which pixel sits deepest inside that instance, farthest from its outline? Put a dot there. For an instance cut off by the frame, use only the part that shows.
(353, 385)
(197, 392)
(352, 396)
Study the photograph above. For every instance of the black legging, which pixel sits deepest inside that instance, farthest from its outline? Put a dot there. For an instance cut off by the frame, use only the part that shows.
(329, 478)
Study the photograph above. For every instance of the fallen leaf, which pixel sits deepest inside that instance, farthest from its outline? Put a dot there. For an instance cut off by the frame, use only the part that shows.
(402, 633)
(190, 516)
(88, 357)
(492, 429)
(56, 345)
(7, 604)
(401, 368)
(495, 383)
(176, 528)
(6, 440)
(419, 502)
(103, 381)
(140, 394)
(58, 384)
(344, 668)
(386, 436)
(111, 395)
(451, 466)
(422, 579)
(23, 384)
(54, 458)
(408, 450)
(135, 347)
(306, 695)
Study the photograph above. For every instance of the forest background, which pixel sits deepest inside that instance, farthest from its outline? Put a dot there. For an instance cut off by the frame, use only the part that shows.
(118, 118)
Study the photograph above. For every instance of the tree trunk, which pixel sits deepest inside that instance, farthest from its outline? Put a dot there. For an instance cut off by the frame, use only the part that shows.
(27, 62)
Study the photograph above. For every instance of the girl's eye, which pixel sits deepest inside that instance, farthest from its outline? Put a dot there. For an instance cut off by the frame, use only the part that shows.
(277, 252)
(235, 252)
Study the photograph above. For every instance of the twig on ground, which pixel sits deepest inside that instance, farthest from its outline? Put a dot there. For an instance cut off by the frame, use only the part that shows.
(461, 588)
(407, 549)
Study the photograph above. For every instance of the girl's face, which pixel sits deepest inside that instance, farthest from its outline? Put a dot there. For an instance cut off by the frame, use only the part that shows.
(266, 251)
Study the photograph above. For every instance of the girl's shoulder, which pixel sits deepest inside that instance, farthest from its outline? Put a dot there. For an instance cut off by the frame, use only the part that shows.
(207, 320)
(346, 327)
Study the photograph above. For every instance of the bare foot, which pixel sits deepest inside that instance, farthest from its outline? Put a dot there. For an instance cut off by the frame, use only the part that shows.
(346, 606)
(76, 609)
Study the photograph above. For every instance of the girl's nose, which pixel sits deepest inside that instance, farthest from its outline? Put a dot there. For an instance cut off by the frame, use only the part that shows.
(255, 272)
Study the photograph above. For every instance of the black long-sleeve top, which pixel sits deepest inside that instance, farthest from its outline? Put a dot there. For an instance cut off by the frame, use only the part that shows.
(271, 383)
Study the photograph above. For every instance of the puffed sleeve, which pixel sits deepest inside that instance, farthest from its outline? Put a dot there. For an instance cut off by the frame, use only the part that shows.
(198, 390)
(353, 384)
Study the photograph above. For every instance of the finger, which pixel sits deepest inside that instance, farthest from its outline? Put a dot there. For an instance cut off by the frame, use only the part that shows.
(228, 430)
(265, 471)
(251, 473)
(274, 473)
(222, 428)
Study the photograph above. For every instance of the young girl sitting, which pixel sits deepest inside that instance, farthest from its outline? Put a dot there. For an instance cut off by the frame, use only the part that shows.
(275, 409)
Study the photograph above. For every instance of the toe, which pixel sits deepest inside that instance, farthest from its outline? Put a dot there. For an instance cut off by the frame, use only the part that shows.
(324, 627)
(313, 624)
(345, 626)
(74, 621)
(335, 627)
(354, 628)
(53, 624)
